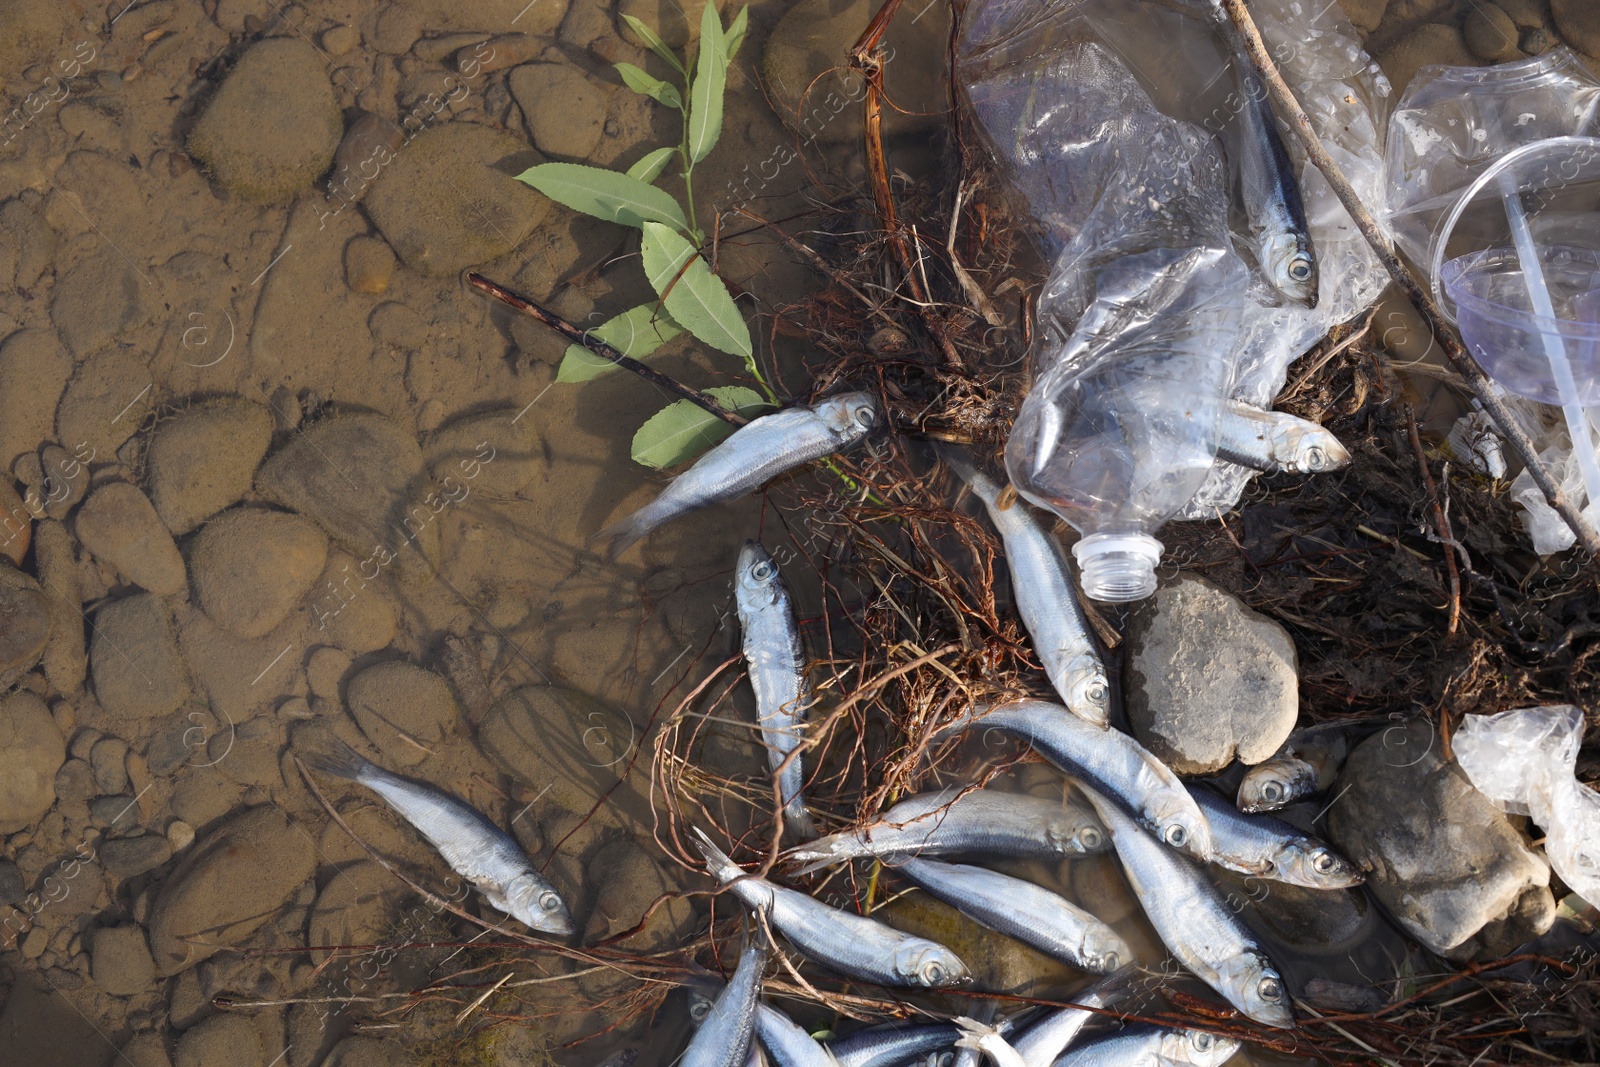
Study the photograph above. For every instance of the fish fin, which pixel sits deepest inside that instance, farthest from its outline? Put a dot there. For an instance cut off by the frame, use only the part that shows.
(814, 855)
(718, 865)
(960, 461)
(988, 1040)
(1114, 987)
(621, 535)
(331, 755)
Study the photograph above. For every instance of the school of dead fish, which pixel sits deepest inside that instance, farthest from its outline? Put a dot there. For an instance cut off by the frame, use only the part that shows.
(1162, 830)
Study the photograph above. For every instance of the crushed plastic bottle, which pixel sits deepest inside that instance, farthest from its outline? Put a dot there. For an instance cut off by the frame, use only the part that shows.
(1524, 761)
(1155, 311)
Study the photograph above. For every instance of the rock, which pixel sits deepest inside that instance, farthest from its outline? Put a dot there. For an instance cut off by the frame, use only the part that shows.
(16, 522)
(1403, 11)
(74, 788)
(629, 883)
(368, 265)
(1579, 23)
(34, 368)
(369, 145)
(360, 477)
(400, 707)
(571, 130)
(806, 64)
(547, 736)
(349, 611)
(122, 963)
(1527, 14)
(34, 241)
(227, 886)
(676, 24)
(499, 53)
(66, 481)
(116, 813)
(1365, 15)
(180, 835)
(274, 125)
(365, 1052)
(118, 524)
(65, 659)
(1490, 34)
(997, 963)
(146, 1050)
(221, 1039)
(96, 302)
(1208, 679)
(204, 458)
(494, 453)
(1444, 861)
(24, 624)
(138, 673)
(325, 672)
(32, 750)
(1537, 41)
(109, 759)
(12, 885)
(450, 199)
(338, 40)
(358, 906)
(1424, 46)
(125, 857)
(251, 567)
(104, 404)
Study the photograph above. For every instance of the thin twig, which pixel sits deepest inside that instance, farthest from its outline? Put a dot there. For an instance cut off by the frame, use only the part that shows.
(1441, 522)
(601, 349)
(1459, 358)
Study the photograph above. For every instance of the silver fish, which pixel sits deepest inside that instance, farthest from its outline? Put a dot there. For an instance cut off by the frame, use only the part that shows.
(983, 1013)
(1306, 765)
(789, 1045)
(1107, 760)
(1270, 848)
(1049, 1036)
(1276, 442)
(988, 1041)
(979, 820)
(1023, 911)
(703, 999)
(932, 1044)
(777, 667)
(1046, 598)
(850, 944)
(1268, 184)
(724, 1037)
(756, 453)
(1142, 1045)
(474, 847)
(1195, 923)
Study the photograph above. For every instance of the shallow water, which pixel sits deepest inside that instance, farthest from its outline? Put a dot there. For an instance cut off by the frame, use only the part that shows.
(155, 290)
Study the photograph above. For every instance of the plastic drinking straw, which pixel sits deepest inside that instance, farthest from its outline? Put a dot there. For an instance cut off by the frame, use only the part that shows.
(1555, 348)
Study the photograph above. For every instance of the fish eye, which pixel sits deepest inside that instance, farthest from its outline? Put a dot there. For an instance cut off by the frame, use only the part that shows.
(864, 416)
(1089, 838)
(1272, 792)
(1202, 1041)
(762, 571)
(1096, 693)
(1110, 961)
(1175, 835)
(549, 901)
(1269, 988)
(699, 1009)
(933, 972)
(1300, 270)
(1322, 861)
(1316, 458)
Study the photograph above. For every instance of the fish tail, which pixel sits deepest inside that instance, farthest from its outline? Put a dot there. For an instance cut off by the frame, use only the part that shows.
(961, 462)
(823, 852)
(718, 865)
(621, 535)
(331, 755)
(1113, 988)
(797, 818)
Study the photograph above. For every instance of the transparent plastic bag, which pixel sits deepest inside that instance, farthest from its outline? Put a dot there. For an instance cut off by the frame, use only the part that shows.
(1524, 761)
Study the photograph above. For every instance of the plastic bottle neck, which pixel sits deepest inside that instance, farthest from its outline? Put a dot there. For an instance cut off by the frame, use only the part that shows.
(1118, 567)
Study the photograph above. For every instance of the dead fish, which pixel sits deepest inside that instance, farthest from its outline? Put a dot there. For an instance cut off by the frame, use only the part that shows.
(724, 1036)
(1194, 921)
(777, 667)
(1143, 1045)
(1306, 765)
(1046, 598)
(474, 847)
(1109, 760)
(788, 1044)
(1023, 911)
(850, 944)
(952, 821)
(1276, 442)
(1048, 1037)
(1270, 848)
(926, 1045)
(756, 453)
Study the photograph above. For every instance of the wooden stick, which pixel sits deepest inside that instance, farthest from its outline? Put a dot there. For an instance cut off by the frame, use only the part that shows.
(1449, 340)
(600, 348)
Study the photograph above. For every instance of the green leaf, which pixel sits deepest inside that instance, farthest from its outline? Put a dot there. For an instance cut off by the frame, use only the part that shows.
(653, 41)
(695, 298)
(649, 168)
(710, 79)
(736, 31)
(636, 332)
(682, 430)
(605, 194)
(645, 85)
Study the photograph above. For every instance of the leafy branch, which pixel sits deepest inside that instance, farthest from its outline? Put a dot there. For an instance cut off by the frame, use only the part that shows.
(690, 296)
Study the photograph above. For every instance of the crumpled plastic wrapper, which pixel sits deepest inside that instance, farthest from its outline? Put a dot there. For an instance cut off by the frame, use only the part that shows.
(1525, 762)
